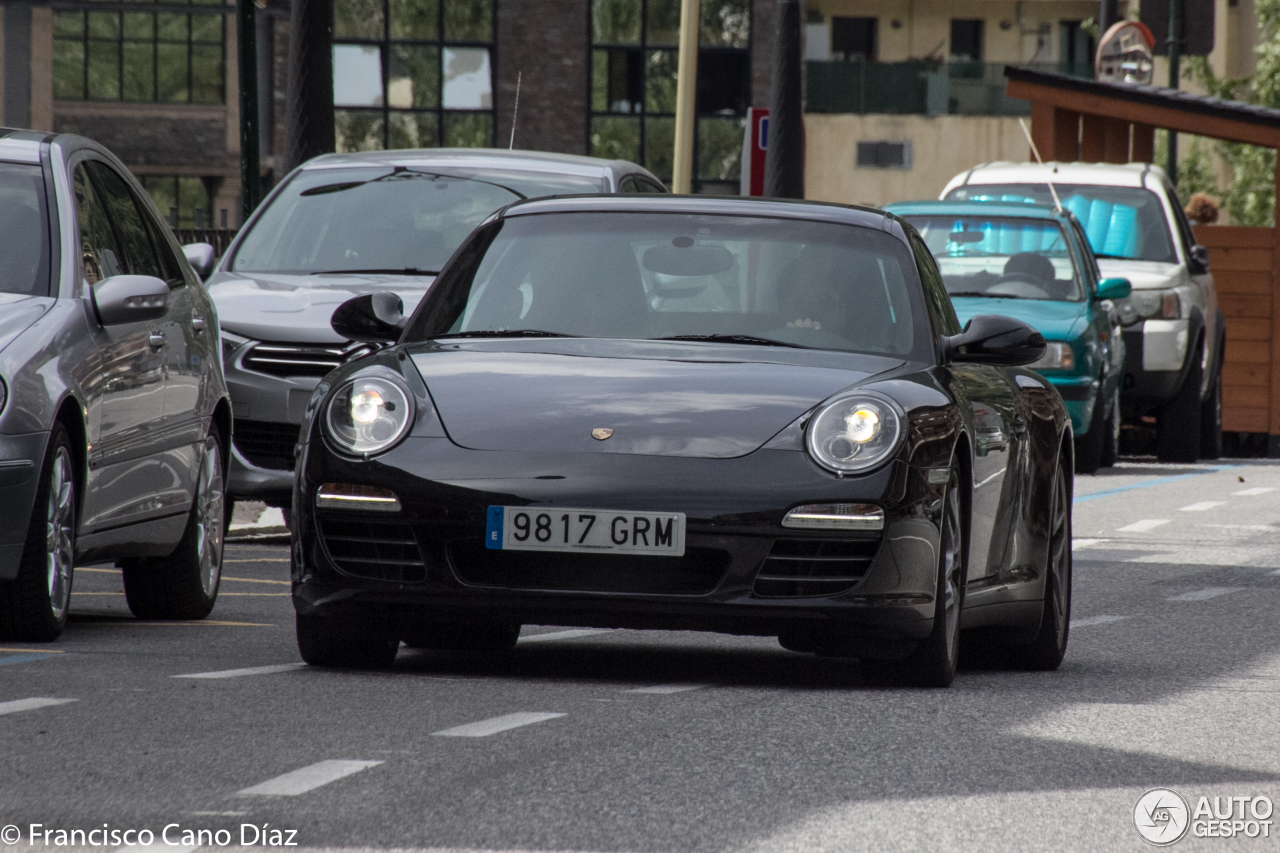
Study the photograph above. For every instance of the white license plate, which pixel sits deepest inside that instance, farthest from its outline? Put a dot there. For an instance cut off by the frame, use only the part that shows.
(522, 528)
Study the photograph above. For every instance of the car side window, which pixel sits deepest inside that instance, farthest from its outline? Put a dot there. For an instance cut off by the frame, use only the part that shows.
(935, 293)
(1184, 227)
(128, 220)
(628, 185)
(100, 252)
(648, 186)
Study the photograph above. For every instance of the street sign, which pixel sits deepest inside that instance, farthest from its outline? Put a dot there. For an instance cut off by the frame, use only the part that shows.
(755, 144)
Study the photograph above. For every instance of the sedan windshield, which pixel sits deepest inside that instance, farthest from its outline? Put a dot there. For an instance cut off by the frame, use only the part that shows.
(1009, 258)
(24, 231)
(384, 219)
(1120, 222)
(667, 276)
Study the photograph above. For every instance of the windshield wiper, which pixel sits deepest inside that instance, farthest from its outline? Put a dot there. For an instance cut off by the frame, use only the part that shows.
(505, 333)
(399, 173)
(732, 339)
(400, 271)
(984, 295)
(1113, 257)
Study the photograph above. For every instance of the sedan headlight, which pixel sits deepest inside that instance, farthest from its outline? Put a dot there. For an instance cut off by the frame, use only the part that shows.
(231, 343)
(1149, 305)
(855, 433)
(369, 414)
(1058, 355)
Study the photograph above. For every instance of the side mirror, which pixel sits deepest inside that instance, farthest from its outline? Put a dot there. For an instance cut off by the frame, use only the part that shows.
(1113, 288)
(130, 299)
(1198, 262)
(996, 339)
(201, 257)
(376, 318)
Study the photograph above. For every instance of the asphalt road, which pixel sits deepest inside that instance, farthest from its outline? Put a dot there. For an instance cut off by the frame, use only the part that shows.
(631, 741)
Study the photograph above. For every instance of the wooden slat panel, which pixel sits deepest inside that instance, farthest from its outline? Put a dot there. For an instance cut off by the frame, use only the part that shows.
(1066, 135)
(1245, 374)
(1092, 138)
(1115, 143)
(1144, 143)
(1215, 236)
(1245, 396)
(1249, 329)
(1247, 352)
(1245, 305)
(1244, 420)
(1242, 282)
(1273, 264)
(1240, 260)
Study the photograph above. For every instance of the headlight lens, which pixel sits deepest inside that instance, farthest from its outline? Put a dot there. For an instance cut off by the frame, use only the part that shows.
(855, 433)
(1058, 355)
(369, 414)
(1149, 304)
(230, 343)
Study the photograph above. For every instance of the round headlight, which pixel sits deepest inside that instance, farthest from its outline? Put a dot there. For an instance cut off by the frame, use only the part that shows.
(855, 433)
(368, 414)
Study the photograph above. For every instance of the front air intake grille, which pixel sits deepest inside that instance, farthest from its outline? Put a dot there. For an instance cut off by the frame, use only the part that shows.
(375, 548)
(813, 567)
(295, 360)
(265, 443)
(696, 573)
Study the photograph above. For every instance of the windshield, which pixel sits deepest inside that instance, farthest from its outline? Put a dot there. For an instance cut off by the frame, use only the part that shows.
(384, 219)
(1120, 222)
(695, 277)
(24, 231)
(1010, 258)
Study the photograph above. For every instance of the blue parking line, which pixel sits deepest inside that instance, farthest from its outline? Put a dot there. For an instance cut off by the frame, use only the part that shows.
(5, 660)
(1145, 484)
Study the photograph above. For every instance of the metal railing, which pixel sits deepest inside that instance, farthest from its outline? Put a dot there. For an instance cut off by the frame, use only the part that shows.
(919, 87)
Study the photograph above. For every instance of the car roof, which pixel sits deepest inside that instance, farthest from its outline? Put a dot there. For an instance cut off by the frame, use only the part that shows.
(1104, 174)
(486, 158)
(705, 204)
(21, 146)
(976, 208)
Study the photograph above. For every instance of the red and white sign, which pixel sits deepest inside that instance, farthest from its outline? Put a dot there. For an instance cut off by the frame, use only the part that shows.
(755, 143)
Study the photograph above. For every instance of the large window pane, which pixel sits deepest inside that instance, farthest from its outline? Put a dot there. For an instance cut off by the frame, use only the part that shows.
(660, 81)
(615, 21)
(139, 71)
(724, 82)
(468, 20)
(413, 79)
(413, 130)
(468, 84)
(104, 25)
(207, 28)
(659, 146)
(414, 19)
(173, 27)
(663, 24)
(104, 70)
(206, 74)
(624, 80)
(615, 138)
(357, 76)
(358, 130)
(171, 72)
(719, 155)
(725, 23)
(468, 130)
(599, 81)
(68, 23)
(68, 70)
(357, 19)
(139, 25)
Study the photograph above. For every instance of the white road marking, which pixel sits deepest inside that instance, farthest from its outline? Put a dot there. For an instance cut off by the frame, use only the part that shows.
(1256, 490)
(31, 704)
(1144, 525)
(664, 689)
(1077, 544)
(1206, 593)
(1276, 572)
(1095, 620)
(564, 635)
(484, 728)
(1239, 526)
(1201, 506)
(307, 778)
(270, 517)
(254, 670)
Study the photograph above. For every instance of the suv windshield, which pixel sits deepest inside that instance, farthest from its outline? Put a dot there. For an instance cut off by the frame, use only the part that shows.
(383, 218)
(1120, 222)
(1009, 258)
(730, 279)
(24, 231)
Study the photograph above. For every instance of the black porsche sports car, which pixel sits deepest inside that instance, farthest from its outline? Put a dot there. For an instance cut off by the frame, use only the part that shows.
(753, 417)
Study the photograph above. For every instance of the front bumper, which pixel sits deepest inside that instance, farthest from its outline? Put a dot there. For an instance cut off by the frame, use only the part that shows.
(1155, 362)
(1080, 394)
(269, 411)
(21, 457)
(734, 509)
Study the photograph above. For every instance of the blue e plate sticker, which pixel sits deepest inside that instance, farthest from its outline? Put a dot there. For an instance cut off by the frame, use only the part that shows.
(493, 528)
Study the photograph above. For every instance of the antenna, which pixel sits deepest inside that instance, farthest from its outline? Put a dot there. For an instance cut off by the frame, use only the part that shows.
(515, 112)
(1057, 203)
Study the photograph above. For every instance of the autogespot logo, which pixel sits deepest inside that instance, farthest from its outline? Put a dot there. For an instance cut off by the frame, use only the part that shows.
(1161, 816)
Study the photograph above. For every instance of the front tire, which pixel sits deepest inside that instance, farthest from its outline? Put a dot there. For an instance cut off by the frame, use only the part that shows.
(1046, 651)
(184, 585)
(33, 608)
(1091, 446)
(1178, 421)
(1211, 421)
(343, 643)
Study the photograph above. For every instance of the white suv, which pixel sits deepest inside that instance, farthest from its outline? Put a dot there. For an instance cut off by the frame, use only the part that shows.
(1174, 333)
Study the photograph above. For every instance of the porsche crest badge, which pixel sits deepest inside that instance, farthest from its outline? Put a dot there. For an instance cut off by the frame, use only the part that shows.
(601, 433)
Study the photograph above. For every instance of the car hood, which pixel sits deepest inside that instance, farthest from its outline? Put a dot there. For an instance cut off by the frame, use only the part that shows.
(297, 308)
(18, 312)
(659, 399)
(1143, 275)
(1055, 320)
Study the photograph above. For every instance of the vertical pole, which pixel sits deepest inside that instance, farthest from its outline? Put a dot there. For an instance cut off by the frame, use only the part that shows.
(1175, 50)
(1108, 14)
(247, 38)
(686, 92)
(784, 162)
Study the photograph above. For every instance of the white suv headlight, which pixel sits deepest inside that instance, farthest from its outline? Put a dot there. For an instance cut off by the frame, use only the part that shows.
(855, 433)
(1149, 305)
(369, 414)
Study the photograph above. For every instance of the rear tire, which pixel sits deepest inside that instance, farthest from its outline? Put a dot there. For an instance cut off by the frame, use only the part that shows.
(33, 608)
(494, 637)
(1211, 421)
(1046, 651)
(1178, 421)
(343, 643)
(184, 585)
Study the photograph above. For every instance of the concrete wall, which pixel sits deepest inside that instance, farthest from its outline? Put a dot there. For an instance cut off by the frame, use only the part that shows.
(942, 147)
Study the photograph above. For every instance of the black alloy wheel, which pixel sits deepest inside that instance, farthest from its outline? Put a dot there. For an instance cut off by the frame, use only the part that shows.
(934, 661)
(1091, 446)
(1211, 419)
(1049, 647)
(1178, 420)
(33, 608)
(344, 643)
(488, 637)
(1111, 433)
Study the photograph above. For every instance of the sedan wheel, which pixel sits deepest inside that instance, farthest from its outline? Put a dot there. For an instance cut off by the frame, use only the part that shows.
(34, 607)
(1049, 647)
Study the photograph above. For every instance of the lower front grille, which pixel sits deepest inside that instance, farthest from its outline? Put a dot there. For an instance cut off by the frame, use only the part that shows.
(814, 567)
(696, 573)
(374, 548)
(265, 443)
